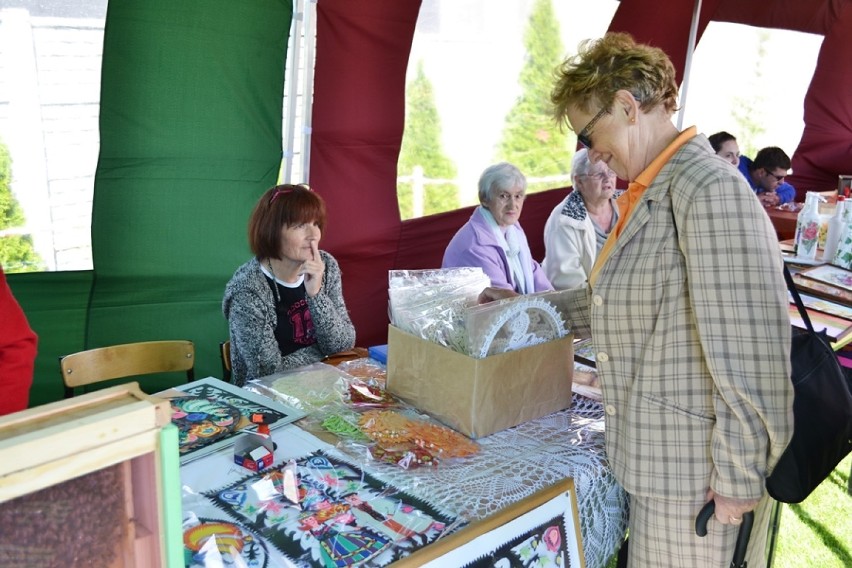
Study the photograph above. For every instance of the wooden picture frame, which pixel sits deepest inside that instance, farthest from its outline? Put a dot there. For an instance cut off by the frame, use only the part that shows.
(584, 352)
(831, 275)
(822, 290)
(94, 478)
(545, 523)
(844, 185)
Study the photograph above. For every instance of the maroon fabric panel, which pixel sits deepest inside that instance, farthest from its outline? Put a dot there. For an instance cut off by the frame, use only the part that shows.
(358, 114)
(812, 16)
(664, 26)
(825, 150)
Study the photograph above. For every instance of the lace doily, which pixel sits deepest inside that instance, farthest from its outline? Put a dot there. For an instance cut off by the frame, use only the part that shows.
(516, 463)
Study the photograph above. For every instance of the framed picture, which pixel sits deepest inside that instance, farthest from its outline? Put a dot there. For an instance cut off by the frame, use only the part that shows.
(584, 352)
(541, 530)
(844, 185)
(209, 412)
(822, 290)
(831, 275)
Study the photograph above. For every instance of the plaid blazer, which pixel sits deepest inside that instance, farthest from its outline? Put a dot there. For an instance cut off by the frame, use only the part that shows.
(689, 321)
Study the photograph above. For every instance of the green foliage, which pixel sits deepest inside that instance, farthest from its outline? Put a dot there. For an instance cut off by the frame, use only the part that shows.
(747, 111)
(531, 138)
(421, 146)
(16, 251)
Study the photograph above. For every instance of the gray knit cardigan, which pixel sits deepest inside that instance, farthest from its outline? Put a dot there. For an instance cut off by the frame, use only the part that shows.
(249, 307)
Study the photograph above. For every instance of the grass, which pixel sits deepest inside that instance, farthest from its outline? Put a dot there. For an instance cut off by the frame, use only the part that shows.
(817, 532)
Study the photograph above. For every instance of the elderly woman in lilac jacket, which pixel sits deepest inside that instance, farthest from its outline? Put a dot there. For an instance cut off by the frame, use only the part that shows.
(493, 239)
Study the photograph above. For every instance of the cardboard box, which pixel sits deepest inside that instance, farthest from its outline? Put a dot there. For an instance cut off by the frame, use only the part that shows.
(480, 396)
(254, 451)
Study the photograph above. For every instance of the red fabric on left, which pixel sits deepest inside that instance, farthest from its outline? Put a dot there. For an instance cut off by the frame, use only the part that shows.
(358, 119)
(18, 345)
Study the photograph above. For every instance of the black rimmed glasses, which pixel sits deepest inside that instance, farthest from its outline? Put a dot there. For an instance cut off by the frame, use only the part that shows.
(585, 135)
(778, 178)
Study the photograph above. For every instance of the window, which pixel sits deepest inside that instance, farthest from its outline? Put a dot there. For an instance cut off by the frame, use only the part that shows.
(50, 63)
(766, 76)
(477, 93)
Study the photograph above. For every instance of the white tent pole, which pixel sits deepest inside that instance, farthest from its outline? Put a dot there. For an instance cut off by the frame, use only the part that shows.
(308, 87)
(690, 48)
(293, 90)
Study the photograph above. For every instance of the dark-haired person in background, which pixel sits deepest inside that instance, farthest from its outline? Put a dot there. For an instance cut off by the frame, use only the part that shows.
(766, 176)
(18, 344)
(285, 306)
(726, 147)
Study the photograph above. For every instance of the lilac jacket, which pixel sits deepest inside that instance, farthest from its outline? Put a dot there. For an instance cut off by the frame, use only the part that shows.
(475, 245)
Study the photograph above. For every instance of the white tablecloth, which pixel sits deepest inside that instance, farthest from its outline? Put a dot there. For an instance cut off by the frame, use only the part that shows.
(512, 464)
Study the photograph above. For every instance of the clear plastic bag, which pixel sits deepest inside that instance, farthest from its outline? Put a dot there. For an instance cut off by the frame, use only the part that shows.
(513, 323)
(431, 303)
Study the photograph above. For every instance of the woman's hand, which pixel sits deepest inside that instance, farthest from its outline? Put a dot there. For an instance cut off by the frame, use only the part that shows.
(313, 270)
(490, 294)
(730, 511)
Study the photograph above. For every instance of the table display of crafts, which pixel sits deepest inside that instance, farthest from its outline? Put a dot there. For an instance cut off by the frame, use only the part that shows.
(350, 401)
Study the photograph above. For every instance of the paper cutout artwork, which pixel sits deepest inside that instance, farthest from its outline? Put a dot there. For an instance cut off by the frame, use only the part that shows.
(214, 542)
(213, 411)
(541, 547)
(318, 511)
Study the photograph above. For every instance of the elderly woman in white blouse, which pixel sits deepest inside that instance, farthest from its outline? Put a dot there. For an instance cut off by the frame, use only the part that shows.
(578, 227)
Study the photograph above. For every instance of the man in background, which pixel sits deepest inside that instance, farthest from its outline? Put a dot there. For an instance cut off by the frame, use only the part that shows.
(766, 176)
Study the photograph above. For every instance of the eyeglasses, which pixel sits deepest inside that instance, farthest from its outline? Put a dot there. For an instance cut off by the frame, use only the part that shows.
(600, 176)
(284, 190)
(778, 178)
(585, 135)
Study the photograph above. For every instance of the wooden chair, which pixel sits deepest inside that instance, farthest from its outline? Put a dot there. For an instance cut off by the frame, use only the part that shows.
(225, 356)
(126, 360)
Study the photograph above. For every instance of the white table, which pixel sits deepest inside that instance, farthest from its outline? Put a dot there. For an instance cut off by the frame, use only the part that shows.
(511, 465)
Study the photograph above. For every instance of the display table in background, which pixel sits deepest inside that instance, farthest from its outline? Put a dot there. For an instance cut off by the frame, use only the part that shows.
(784, 222)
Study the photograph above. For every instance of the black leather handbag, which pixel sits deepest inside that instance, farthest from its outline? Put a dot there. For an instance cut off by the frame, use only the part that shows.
(822, 411)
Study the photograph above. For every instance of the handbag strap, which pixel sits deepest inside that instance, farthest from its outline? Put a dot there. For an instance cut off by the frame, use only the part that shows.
(791, 286)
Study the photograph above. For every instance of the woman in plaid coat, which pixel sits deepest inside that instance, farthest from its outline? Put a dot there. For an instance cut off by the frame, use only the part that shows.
(687, 308)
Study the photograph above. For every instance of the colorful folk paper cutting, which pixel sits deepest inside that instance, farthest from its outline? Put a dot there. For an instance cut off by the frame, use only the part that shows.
(318, 511)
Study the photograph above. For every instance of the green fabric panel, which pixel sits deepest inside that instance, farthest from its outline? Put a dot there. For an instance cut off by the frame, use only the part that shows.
(55, 305)
(191, 111)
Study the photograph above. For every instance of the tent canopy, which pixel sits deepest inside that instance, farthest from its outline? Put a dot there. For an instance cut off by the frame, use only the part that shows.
(190, 137)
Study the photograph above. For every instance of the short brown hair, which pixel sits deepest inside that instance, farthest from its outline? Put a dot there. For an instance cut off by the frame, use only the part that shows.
(771, 158)
(609, 64)
(282, 206)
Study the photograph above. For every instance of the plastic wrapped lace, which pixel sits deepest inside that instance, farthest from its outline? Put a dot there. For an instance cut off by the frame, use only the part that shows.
(514, 323)
(431, 303)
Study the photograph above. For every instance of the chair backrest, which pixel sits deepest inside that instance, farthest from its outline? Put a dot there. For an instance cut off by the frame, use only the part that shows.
(225, 355)
(126, 360)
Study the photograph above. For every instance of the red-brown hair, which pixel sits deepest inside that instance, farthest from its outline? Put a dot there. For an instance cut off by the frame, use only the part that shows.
(282, 206)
